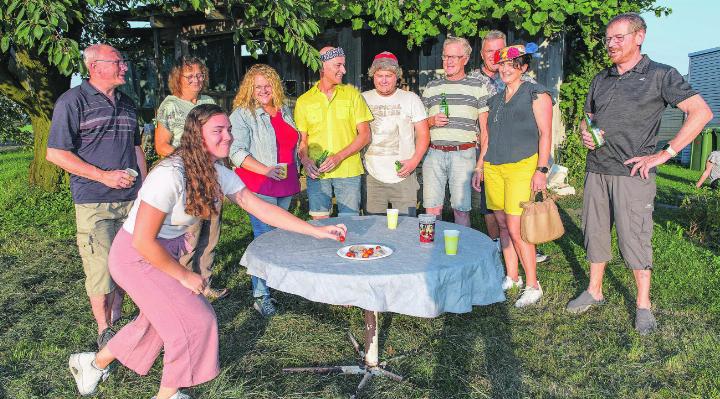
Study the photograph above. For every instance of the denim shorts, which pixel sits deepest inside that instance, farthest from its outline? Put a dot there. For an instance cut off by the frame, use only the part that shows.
(454, 168)
(347, 195)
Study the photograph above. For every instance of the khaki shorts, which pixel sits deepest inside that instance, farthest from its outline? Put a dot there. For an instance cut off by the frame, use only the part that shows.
(627, 202)
(402, 195)
(97, 225)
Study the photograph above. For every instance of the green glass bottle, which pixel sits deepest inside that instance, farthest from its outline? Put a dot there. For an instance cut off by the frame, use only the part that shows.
(597, 137)
(444, 107)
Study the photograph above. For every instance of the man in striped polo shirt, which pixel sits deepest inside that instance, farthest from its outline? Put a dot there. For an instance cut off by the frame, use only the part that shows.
(452, 154)
(94, 137)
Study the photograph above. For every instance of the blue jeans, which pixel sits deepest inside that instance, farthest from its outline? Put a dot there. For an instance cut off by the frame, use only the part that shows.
(454, 168)
(260, 289)
(347, 196)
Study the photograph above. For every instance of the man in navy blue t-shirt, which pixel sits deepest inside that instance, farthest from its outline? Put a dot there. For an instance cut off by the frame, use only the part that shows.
(94, 137)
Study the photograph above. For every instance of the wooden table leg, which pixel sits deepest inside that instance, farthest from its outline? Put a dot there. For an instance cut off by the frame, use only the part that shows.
(371, 338)
(369, 369)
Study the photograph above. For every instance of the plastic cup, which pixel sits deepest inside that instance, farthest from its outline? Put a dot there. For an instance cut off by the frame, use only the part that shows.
(426, 225)
(392, 218)
(131, 172)
(452, 237)
(284, 167)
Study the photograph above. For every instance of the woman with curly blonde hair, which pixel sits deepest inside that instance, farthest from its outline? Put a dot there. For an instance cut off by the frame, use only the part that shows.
(181, 189)
(264, 152)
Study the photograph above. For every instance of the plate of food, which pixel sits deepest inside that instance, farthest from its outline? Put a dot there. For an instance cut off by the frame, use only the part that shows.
(364, 252)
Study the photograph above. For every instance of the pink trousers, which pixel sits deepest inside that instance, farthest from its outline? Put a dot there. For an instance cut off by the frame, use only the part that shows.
(171, 316)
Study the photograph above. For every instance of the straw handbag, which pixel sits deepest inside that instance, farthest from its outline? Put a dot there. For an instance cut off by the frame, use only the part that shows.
(540, 221)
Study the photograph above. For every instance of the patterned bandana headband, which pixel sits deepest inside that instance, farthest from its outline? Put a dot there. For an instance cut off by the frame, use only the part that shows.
(330, 54)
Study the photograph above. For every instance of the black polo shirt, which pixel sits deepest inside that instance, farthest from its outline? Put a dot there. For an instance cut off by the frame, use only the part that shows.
(628, 108)
(102, 134)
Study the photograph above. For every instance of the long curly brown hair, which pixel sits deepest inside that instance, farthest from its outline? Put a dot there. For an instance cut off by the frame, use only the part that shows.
(202, 189)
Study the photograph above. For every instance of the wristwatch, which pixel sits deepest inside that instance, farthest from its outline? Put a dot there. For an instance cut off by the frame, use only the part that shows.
(669, 150)
(542, 169)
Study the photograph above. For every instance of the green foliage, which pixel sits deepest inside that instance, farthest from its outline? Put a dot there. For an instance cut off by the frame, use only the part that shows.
(702, 213)
(13, 124)
(43, 25)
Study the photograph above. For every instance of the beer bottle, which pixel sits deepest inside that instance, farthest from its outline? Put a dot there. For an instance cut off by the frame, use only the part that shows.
(444, 107)
(597, 137)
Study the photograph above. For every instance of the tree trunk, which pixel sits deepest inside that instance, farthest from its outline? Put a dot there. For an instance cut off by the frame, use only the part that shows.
(43, 173)
(27, 79)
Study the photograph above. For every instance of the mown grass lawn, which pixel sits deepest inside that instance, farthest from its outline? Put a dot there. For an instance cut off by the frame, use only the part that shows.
(493, 352)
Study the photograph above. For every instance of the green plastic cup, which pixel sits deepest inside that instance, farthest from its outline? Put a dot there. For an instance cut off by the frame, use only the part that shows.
(451, 241)
(392, 218)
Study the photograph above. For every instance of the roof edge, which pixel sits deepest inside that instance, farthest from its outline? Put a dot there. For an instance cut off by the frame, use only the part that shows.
(701, 52)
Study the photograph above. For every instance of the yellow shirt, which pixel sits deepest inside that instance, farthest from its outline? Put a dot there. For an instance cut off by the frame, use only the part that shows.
(331, 125)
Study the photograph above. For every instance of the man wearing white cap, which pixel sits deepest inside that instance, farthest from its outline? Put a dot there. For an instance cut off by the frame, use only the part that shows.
(400, 137)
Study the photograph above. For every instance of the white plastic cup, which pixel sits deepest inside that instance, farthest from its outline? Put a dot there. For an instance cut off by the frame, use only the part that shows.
(131, 172)
(452, 237)
(392, 218)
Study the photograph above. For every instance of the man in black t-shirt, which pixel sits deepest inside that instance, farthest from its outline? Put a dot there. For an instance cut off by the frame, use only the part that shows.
(626, 102)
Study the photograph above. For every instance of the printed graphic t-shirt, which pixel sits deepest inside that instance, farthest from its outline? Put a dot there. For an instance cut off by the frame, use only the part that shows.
(393, 131)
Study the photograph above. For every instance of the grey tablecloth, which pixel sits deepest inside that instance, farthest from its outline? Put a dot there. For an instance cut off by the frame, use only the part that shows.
(414, 280)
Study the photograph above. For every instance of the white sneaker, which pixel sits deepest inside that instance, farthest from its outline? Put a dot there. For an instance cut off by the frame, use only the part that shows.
(87, 376)
(529, 296)
(540, 257)
(509, 283)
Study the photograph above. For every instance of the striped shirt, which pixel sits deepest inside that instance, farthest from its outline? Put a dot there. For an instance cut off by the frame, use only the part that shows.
(101, 133)
(466, 98)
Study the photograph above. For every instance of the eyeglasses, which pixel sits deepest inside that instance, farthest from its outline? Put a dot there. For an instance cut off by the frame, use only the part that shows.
(617, 38)
(452, 57)
(118, 63)
(265, 87)
(198, 77)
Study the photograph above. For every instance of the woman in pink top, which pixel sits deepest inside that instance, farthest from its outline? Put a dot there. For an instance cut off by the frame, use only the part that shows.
(174, 316)
(265, 153)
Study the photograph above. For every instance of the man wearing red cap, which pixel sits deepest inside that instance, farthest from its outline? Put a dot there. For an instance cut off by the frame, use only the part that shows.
(400, 137)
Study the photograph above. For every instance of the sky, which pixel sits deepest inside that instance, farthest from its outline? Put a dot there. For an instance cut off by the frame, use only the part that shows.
(692, 26)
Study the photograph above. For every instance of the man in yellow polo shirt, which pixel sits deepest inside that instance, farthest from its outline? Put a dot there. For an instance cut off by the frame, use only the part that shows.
(332, 119)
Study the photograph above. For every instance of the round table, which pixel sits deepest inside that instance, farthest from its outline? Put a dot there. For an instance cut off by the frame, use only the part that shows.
(416, 280)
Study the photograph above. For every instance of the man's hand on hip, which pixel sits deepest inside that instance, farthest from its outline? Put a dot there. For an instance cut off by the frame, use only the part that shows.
(644, 164)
